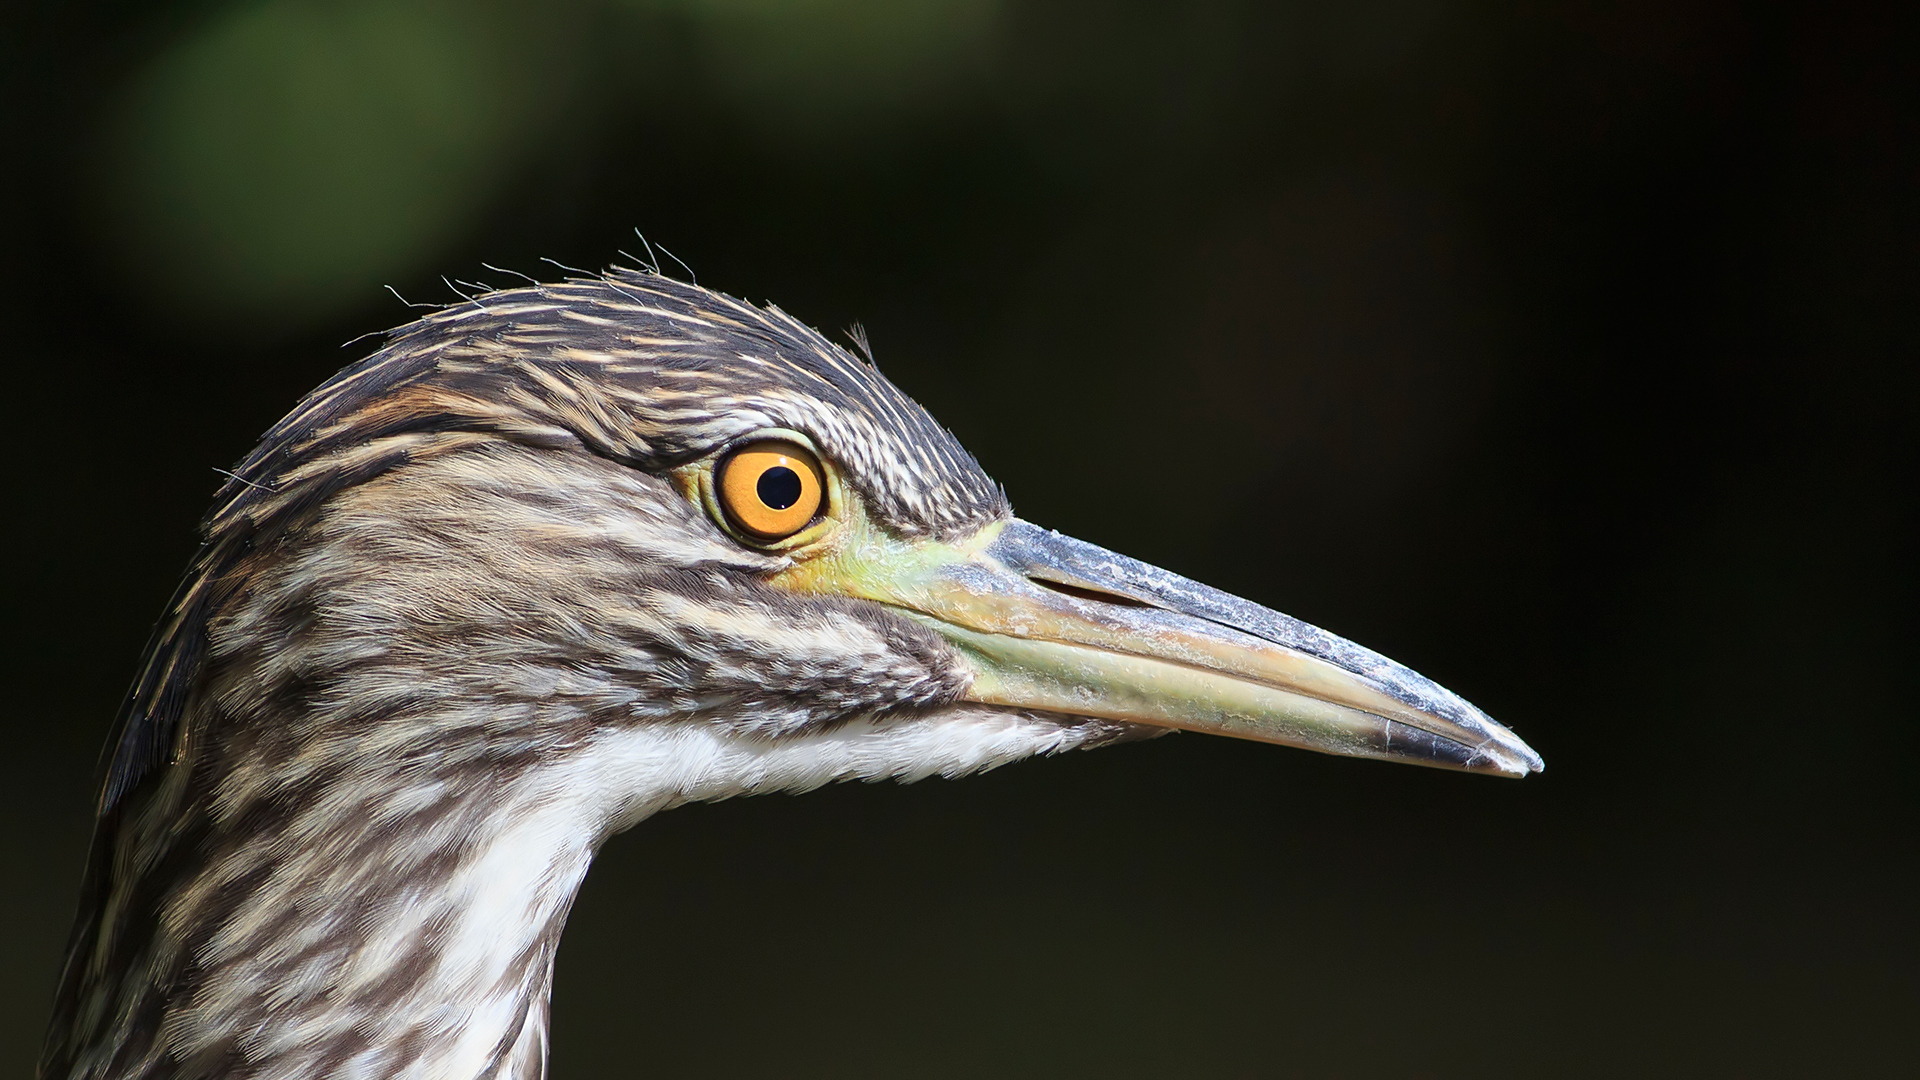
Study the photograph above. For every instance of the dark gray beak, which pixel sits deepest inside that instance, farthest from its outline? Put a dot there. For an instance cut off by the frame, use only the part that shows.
(1049, 622)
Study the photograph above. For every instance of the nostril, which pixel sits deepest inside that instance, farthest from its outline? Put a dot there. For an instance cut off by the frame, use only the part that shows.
(1081, 592)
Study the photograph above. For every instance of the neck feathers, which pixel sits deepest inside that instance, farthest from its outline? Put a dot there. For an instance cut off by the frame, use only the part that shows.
(359, 852)
(341, 927)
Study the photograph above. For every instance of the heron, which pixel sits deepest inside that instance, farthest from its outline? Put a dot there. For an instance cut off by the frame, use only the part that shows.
(553, 560)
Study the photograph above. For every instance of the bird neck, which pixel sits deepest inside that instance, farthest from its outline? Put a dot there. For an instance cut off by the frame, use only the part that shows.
(401, 929)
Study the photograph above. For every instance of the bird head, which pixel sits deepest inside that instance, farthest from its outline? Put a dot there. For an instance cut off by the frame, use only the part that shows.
(559, 515)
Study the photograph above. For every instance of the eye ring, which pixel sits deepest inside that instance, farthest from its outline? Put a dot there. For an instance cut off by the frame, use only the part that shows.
(770, 489)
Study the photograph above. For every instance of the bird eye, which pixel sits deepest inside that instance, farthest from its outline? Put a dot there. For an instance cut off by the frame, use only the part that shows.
(770, 490)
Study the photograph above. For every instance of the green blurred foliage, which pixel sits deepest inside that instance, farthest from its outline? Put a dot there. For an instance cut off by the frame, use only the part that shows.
(273, 163)
(287, 156)
(281, 159)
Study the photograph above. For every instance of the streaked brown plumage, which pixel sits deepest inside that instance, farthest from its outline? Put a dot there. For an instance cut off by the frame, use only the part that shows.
(463, 615)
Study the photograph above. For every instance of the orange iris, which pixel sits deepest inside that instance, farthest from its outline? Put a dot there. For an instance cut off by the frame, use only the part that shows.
(770, 490)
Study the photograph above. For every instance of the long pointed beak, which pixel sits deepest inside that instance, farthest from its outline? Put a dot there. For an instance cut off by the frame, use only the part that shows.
(1052, 623)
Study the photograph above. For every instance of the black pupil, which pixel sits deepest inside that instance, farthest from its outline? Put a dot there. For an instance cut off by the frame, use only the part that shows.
(779, 487)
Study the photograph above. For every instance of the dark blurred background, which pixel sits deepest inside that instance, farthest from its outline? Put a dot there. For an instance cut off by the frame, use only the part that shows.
(1564, 351)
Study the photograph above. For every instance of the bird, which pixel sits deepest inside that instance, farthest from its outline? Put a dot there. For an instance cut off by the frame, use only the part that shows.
(552, 560)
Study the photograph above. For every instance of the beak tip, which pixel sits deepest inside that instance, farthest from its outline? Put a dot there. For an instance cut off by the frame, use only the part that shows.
(1511, 757)
(1474, 744)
